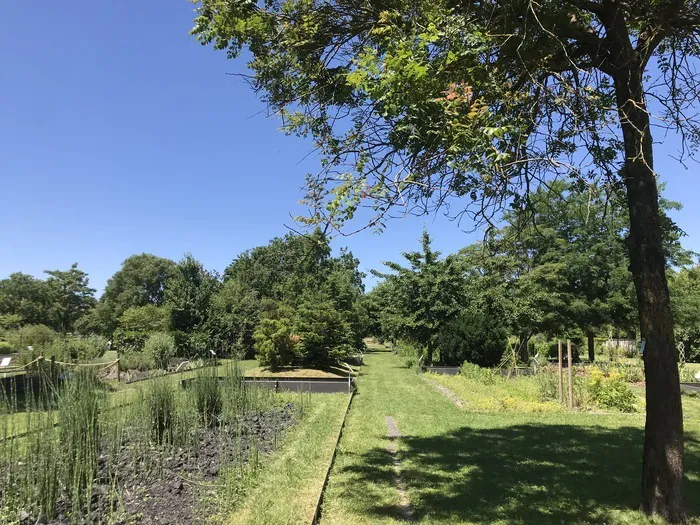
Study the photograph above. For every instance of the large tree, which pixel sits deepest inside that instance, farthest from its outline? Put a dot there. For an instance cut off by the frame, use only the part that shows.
(412, 102)
(139, 282)
(71, 296)
(27, 297)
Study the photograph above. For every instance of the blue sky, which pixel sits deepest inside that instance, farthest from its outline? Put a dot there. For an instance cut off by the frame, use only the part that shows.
(119, 134)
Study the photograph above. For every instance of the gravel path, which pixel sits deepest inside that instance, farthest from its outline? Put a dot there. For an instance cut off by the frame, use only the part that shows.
(394, 434)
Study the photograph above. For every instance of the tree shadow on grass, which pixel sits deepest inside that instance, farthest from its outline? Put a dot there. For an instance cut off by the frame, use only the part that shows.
(533, 473)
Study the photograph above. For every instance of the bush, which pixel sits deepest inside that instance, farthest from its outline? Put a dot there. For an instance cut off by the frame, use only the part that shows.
(141, 362)
(79, 349)
(324, 335)
(610, 391)
(5, 347)
(160, 348)
(473, 337)
(274, 343)
(35, 335)
(474, 372)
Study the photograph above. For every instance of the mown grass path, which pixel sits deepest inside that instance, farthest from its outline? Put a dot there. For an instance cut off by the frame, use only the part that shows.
(463, 467)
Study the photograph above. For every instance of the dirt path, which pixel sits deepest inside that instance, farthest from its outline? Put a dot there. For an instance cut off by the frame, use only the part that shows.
(394, 434)
(449, 394)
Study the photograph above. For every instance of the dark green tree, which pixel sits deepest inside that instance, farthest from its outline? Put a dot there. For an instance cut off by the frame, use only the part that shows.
(71, 296)
(188, 295)
(234, 314)
(426, 295)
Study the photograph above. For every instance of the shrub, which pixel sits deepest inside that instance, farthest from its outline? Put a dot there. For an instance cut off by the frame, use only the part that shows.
(141, 362)
(136, 323)
(485, 376)
(160, 348)
(610, 391)
(35, 335)
(473, 337)
(76, 348)
(274, 343)
(324, 335)
(547, 384)
(5, 347)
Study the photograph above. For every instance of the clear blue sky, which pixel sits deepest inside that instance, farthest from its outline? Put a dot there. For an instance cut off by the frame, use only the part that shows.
(119, 134)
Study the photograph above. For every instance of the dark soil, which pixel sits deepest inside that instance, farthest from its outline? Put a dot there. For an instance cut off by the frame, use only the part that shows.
(171, 485)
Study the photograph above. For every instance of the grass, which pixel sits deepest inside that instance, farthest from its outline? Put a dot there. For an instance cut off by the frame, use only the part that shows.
(500, 467)
(289, 484)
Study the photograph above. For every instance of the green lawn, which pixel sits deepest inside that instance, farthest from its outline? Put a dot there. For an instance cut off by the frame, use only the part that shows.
(503, 466)
(290, 482)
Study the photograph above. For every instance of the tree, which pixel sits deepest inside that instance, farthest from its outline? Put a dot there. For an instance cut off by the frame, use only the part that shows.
(136, 324)
(425, 293)
(188, 295)
(27, 297)
(235, 311)
(140, 281)
(411, 103)
(71, 296)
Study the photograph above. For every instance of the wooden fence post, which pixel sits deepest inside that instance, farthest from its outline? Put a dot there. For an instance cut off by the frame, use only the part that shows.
(561, 376)
(119, 371)
(571, 374)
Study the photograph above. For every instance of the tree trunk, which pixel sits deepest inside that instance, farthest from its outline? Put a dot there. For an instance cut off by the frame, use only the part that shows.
(522, 348)
(591, 347)
(662, 469)
(429, 358)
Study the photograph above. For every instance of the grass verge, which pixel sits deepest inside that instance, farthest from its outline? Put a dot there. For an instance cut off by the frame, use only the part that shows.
(287, 486)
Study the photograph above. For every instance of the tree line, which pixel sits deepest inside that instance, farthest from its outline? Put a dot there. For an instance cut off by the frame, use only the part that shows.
(288, 302)
(560, 269)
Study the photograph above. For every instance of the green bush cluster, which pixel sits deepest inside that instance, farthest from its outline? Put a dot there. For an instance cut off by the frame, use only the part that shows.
(610, 391)
(159, 349)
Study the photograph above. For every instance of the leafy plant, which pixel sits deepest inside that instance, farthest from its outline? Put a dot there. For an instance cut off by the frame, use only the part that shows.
(160, 348)
(208, 395)
(160, 400)
(610, 391)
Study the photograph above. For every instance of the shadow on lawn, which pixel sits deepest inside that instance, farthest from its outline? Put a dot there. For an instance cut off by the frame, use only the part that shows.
(525, 474)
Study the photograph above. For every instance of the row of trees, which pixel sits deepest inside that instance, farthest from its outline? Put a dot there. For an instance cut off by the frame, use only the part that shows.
(291, 287)
(561, 269)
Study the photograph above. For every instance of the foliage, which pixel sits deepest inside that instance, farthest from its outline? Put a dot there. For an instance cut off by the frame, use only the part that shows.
(160, 402)
(473, 337)
(37, 336)
(610, 391)
(5, 347)
(27, 297)
(160, 348)
(424, 296)
(136, 323)
(76, 348)
(235, 312)
(324, 335)
(188, 294)
(472, 371)
(274, 342)
(684, 286)
(140, 281)
(71, 296)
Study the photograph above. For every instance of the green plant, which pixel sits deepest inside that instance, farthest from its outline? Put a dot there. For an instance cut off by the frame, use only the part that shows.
(160, 348)
(485, 376)
(610, 391)
(160, 400)
(207, 394)
(5, 347)
(79, 432)
(141, 362)
(274, 342)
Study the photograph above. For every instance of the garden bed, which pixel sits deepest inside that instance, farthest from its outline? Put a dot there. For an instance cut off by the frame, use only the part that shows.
(175, 485)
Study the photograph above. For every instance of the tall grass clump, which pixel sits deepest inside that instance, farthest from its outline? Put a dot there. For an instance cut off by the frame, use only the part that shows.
(79, 433)
(160, 402)
(207, 393)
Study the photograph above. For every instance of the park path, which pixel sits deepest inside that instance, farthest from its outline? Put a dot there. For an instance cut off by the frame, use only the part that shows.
(375, 478)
